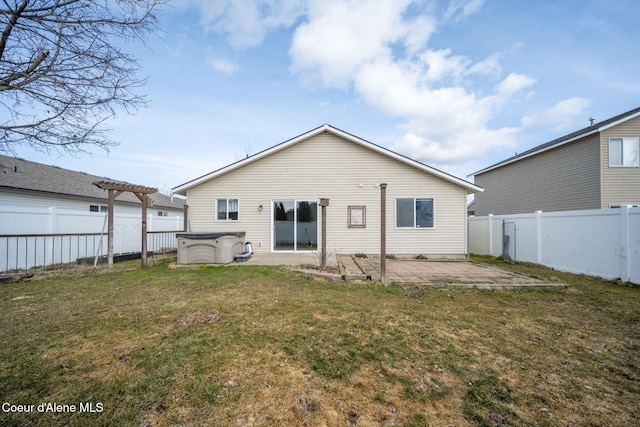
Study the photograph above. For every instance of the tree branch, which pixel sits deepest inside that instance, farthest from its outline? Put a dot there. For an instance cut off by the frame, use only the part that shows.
(62, 72)
(6, 81)
(15, 15)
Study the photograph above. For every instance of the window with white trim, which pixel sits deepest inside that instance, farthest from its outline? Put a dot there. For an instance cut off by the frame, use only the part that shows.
(623, 152)
(227, 209)
(415, 213)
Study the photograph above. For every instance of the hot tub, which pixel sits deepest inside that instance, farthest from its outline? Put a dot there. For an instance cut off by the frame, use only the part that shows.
(209, 247)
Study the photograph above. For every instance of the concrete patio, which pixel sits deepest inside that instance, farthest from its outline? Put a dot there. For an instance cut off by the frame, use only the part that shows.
(455, 274)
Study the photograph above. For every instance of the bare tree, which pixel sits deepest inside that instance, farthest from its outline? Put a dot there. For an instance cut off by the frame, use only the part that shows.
(63, 72)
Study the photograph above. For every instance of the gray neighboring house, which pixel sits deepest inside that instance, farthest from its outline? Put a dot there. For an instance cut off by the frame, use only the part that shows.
(593, 168)
(31, 194)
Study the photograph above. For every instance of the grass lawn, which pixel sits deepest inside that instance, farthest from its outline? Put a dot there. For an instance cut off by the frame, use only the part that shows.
(251, 345)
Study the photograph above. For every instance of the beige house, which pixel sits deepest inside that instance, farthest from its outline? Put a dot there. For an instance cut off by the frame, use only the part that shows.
(594, 168)
(273, 196)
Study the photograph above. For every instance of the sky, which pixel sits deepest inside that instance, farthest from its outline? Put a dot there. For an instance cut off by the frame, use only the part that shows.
(456, 84)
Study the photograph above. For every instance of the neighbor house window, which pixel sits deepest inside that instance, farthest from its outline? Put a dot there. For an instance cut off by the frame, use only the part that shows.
(98, 208)
(227, 209)
(163, 213)
(623, 152)
(414, 213)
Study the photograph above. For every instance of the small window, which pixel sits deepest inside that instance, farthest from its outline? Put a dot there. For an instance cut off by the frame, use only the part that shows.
(163, 213)
(414, 213)
(98, 208)
(227, 210)
(623, 152)
(357, 216)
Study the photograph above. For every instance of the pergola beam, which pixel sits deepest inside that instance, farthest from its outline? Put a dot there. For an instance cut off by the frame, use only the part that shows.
(142, 193)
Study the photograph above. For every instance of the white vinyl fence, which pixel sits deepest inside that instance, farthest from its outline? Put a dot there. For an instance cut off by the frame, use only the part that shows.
(39, 237)
(603, 243)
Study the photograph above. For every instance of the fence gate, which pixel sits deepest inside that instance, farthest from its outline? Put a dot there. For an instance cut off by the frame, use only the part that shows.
(509, 242)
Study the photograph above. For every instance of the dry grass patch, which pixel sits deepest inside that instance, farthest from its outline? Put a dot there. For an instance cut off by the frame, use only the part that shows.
(203, 318)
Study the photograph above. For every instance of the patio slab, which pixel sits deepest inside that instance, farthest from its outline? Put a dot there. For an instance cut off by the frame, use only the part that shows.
(454, 274)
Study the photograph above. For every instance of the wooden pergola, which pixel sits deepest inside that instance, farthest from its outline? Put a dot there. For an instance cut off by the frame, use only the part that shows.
(142, 193)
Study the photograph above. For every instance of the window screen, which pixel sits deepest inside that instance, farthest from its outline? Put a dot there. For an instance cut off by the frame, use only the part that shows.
(414, 213)
(404, 213)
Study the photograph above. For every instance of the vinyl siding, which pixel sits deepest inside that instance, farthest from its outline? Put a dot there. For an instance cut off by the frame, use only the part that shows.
(327, 166)
(564, 178)
(620, 185)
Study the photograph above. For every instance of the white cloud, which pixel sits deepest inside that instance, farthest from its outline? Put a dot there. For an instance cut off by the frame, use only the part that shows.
(514, 83)
(418, 33)
(246, 22)
(508, 88)
(443, 123)
(460, 10)
(441, 65)
(223, 65)
(339, 36)
(459, 146)
(561, 116)
(490, 66)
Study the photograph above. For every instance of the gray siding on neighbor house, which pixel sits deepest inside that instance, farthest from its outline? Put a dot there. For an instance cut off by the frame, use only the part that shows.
(328, 166)
(620, 185)
(564, 178)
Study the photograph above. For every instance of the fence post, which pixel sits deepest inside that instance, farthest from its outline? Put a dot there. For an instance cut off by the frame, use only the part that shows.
(52, 220)
(490, 219)
(538, 236)
(625, 243)
(53, 214)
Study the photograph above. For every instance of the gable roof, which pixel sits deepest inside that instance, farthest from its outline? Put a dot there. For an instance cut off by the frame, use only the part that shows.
(181, 189)
(589, 130)
(25, 176)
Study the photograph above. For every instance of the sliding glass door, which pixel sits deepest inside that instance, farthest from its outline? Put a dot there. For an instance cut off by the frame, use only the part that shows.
(295, 225)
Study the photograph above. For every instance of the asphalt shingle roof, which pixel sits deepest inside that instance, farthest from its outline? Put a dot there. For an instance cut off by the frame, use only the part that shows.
(567, 137)
(20, 174)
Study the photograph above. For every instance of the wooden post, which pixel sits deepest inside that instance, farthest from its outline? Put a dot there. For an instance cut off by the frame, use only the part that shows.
(323, 259)
(185, 219)
(383, 232)
(110, 228)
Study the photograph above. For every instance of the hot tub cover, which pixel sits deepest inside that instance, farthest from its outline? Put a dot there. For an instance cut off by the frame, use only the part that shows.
(211, 235)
